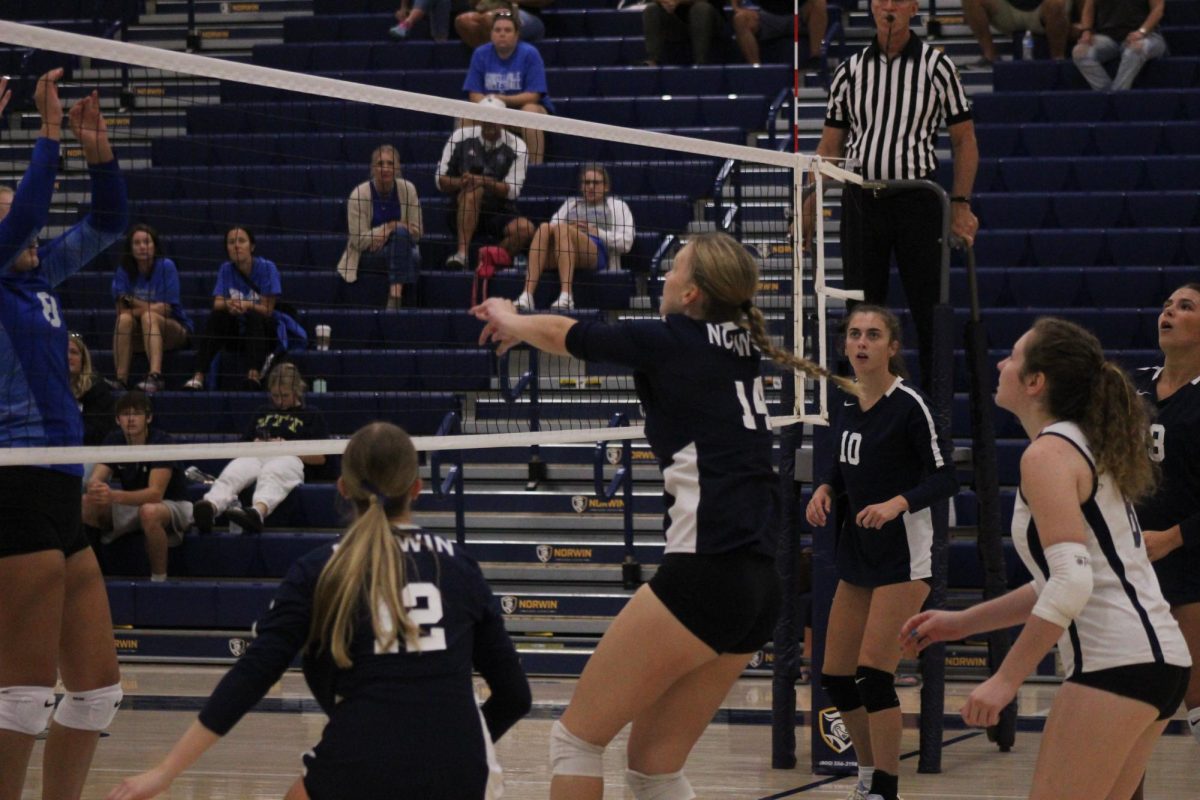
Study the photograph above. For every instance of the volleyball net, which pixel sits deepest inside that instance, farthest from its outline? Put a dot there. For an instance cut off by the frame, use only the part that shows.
(209, 146)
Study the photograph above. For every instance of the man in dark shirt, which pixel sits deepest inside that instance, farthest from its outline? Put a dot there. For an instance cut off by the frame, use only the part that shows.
(483, 168)
(756, 21)
(152, 496)
(1048, 17)
(1112, 28)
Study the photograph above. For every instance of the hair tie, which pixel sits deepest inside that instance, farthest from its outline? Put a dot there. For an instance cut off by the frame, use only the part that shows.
(376, 495)
(746, 306)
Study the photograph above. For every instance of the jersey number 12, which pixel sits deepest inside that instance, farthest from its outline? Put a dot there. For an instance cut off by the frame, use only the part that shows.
(423, 602)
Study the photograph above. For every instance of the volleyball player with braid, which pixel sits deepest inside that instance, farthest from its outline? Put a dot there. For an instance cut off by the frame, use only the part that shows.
(893, 463)
(1093, 589)
(390, 621)
(671, 655)
(54, 613)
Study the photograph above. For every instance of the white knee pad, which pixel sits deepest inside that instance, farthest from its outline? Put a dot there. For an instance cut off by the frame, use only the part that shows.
(89, 711)
(1193, 720)
(26, 709)
(668, 786)
(570, 755)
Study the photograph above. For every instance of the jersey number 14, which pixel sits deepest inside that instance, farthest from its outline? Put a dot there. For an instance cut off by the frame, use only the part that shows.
(759, 398)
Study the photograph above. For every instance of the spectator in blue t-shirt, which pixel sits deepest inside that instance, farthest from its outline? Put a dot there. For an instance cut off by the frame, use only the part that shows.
(150, 317)
(242, 311)
(513, 71)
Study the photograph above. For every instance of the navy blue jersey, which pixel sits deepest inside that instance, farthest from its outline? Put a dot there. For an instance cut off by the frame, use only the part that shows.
(135, 476)
(706, 421)
(37, 408)
(1175, 436)
(893, 448)
(461, 627)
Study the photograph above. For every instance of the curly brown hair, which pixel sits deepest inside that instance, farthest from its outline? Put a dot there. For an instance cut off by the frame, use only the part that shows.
(1085, 388)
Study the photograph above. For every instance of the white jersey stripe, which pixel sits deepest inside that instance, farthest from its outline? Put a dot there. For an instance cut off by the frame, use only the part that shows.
(933, 441)
(681, 481)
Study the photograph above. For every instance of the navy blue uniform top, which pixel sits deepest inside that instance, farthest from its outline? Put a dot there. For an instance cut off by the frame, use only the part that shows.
(706, 421)
(461, 627)
(892, 449)
(37, 408)
(1175, 436)
(135, 476)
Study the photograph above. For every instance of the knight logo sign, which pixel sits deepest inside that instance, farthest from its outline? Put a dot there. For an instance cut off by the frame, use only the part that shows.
(545, 552)
(237, 647)
(508, 604)
(582, 503)
(833, 730)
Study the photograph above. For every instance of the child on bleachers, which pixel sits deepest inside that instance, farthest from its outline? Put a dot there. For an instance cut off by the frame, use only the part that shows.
(383, 217)
(286, 418)
(150, 316)
(243, 309)
(152, 497)
(588, 232)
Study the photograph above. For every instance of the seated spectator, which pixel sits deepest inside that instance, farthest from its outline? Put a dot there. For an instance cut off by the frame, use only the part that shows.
(1111, 28)
(511, 71)
(383, 217)
(153, 495)
(589, 232)
(1048, 17)
(475, 26)
(242, 312)
(759, 21)
(286, 418)
(150, 317)
(92, 393)
(678, 20)
(483, 168)
(408, 15)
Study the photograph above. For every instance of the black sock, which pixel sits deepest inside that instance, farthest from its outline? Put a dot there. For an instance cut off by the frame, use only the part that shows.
(885, 785)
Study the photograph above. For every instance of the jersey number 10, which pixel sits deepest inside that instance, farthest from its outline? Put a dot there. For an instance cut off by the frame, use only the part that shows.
(760, 404)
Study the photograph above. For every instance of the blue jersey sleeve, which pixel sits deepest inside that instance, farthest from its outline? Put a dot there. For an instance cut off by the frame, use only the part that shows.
(474, 81)
(103, 225)
(640, 344)
(280, 635)
(936, 451)
(30, 202)
(534, 77)
(496, 659)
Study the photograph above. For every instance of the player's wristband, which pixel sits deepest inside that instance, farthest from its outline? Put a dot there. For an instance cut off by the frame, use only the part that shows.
(958, 198)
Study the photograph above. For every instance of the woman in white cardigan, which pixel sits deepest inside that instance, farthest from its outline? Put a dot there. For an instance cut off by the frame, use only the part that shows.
(384, 220)
(587, 232)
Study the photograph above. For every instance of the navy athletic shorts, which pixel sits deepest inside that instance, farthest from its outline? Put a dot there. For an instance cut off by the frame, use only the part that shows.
(1159, 685)
(40, 510)
(728, 600)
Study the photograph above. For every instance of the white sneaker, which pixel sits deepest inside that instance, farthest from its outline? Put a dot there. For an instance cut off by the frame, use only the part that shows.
(524, 302)
(565, 302)
(859, 792)
(457, 261)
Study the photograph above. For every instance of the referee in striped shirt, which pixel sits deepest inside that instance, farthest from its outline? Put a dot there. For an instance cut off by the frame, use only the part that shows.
(886, 105)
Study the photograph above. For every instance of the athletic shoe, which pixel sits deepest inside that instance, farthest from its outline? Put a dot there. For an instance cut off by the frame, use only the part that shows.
(248, 518)
(203, 512)
(399, 31)
(859, 792)
(194, 385)
(457, 261)
(524, 302)
(565, 302)
(154, 383)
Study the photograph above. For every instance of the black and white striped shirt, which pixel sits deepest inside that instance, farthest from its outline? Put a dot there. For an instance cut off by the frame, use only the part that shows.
(893, 109)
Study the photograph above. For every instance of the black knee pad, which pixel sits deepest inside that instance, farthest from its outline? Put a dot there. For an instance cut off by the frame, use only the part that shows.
(878, 689)
(843, 691)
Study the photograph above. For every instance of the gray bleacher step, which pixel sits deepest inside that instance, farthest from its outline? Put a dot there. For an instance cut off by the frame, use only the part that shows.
(642, 473)
(507, 523)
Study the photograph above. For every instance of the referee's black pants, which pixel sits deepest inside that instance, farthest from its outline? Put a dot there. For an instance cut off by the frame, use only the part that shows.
(906, 224)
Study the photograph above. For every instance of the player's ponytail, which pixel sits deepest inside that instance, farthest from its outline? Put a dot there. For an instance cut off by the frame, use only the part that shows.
(728, 276)
(379, 468)
(1084, 388)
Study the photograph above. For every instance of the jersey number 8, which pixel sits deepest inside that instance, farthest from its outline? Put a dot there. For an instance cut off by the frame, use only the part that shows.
(423, 602)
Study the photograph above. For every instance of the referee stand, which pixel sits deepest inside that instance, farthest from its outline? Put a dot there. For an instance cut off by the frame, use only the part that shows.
(831, 750)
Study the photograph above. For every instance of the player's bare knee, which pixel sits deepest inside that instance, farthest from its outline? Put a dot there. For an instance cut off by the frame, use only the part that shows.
(570, 755)
(667, 786)
(26, 709)
(92, 710)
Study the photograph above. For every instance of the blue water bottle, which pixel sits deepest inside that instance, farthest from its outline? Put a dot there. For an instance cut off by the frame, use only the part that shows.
(1027, 46)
